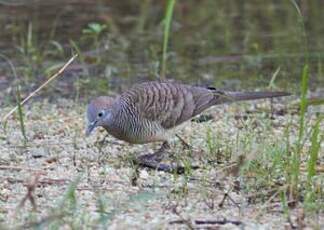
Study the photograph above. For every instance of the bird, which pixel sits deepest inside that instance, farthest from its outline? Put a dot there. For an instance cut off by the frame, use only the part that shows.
(148, 111)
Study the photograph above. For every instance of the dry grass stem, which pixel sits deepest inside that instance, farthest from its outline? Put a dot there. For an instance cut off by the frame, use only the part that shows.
(40, 87)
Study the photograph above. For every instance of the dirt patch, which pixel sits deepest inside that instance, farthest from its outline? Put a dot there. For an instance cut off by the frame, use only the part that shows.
(62, 179)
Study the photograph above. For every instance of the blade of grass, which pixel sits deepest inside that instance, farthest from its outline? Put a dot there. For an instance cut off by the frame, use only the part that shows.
(29, 45)
(70, 195)
(13, 69)
(167, 24)
(302, 28)
(303, 102)
(299, 145)
(143, 15)
(284, 204)
(273, 78)
(21, 115)
(316, 140)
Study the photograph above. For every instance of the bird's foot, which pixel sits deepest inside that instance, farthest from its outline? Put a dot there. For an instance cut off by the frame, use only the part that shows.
(153, 161)
(156, 156)
(184, 143)
(169, 168)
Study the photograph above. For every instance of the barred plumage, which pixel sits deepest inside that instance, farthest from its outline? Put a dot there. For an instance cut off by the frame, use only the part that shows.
(146, 111)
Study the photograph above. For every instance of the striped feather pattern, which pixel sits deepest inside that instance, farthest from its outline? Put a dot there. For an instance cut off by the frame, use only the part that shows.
(144, 112)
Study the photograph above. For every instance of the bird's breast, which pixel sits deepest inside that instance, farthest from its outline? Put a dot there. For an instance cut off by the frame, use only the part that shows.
(138, 131)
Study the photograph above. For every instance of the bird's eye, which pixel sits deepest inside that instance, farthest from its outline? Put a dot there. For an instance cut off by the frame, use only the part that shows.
(100, 114)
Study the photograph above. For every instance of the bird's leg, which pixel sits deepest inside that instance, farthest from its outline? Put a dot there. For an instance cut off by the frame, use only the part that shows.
(157, 156)
(184, 143)
(153, 161)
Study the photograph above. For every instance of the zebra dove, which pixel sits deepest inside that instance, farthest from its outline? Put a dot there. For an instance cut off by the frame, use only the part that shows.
(147, 111)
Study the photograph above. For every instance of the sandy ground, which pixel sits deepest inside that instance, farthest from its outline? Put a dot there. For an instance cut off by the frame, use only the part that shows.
(58, 156)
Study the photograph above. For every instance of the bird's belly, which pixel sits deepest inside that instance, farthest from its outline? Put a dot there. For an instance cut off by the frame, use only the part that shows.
(141, 134)
(148, 139)
(154, 136)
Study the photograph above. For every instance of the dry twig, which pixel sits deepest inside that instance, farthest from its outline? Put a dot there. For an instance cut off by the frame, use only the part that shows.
(30, 190)
(4, 119)
(18, 168)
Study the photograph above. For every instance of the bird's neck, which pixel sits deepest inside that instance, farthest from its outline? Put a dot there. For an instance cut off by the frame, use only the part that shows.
(119, 121)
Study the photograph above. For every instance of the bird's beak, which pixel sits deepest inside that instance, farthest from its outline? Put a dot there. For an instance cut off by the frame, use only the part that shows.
(91, 127)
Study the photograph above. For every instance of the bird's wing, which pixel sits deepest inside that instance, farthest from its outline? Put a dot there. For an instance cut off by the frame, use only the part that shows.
(169, 103)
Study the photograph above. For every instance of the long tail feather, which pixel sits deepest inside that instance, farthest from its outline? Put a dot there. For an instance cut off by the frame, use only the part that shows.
(227, 96)
(242, 96)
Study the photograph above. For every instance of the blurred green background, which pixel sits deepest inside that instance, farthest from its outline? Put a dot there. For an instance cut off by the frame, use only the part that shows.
(229, 44)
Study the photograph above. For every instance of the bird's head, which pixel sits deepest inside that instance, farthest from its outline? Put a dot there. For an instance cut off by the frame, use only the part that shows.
(98, 113)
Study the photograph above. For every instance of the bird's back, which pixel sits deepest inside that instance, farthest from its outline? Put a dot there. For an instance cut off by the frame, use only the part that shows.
(168, 103)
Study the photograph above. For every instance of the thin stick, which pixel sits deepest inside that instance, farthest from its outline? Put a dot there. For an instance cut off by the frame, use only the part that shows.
(18, 168)
(40, 87)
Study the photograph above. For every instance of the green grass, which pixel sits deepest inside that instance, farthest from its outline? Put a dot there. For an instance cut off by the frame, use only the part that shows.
(167, 21)
(21, 115)
(316, 140)
(128, 52)
(296, 157)
(313, 194)
(302, 27)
